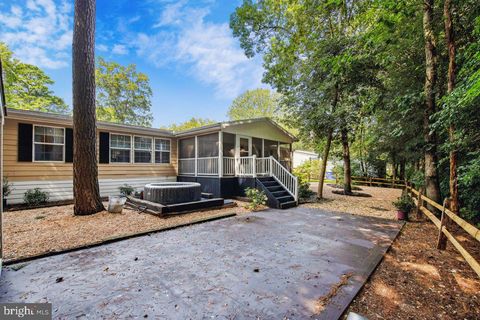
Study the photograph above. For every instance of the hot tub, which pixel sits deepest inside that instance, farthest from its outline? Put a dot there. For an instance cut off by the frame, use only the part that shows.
(172, 192)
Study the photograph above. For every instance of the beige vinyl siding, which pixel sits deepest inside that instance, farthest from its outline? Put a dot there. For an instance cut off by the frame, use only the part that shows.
(48, 171)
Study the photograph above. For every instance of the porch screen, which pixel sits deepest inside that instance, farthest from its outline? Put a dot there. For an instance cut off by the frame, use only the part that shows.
(271, 148)
(187, 148)
(207, 145)
(285, 151)
(257, 146)
(228, 145)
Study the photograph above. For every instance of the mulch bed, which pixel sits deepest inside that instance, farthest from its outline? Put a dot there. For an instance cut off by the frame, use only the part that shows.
(33, 232)
(340, 186)
(417, 281)
(352, 194)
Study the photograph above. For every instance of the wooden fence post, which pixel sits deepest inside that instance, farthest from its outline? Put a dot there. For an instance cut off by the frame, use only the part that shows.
(442, 238)
(419, 204)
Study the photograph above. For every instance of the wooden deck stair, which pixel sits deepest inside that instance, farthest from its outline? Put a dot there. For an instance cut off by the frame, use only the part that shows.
(278, 196)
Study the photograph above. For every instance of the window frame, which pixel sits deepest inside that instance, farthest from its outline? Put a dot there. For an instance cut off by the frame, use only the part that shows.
(110, 148)
(44, 143)
(151, 149)
(169, 151)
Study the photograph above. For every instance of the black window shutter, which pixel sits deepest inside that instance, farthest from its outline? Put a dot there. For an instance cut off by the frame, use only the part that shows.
(68, 145)
(25, 143)
(104, 150)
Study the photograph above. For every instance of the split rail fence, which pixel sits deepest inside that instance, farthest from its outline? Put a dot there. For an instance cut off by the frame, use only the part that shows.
(447, 218)
(378, 182)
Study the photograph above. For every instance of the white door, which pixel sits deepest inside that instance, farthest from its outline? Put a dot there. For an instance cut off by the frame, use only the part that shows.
(243, 146)
(243, 149)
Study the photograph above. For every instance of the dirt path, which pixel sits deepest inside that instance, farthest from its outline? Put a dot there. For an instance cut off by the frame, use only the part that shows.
(414, 280)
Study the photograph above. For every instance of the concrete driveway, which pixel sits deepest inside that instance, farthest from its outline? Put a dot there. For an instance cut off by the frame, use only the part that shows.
(275, 264)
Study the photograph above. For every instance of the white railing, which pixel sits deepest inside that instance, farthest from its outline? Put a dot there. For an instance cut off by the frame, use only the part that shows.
(244, 166)
(207, 166)
(284, 177)
(228, 166)
(263, 166)
(186, 166)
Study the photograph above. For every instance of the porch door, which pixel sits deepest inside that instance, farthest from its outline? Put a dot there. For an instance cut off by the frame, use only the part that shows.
(243, 149)
(243, 146)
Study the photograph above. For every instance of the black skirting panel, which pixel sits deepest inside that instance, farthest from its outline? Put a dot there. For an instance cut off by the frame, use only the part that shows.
(225, 187)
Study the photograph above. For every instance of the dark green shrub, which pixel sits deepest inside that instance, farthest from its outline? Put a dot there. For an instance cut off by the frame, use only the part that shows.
(304, 188)
(126, 189)
(7, 187)
(34, 197)
(404, 203)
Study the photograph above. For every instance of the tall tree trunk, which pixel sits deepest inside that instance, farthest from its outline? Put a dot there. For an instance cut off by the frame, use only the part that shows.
(363, 166)
(324, 161)
(450, 38)
(326, 151)
(347, 183)
(432, 186)
(85, 172)
(402, 168)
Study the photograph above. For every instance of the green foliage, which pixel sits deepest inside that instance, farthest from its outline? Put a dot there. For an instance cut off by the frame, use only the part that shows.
(304, 191)
(190, 124)
(404, 203)
(123, 94)
(257, 198)
(469, 184)
(417, 177)
(27, 86)
(255, 104)
(35, 197)
(338, 171)
(7, 187)
(309, 170)
(126, 189)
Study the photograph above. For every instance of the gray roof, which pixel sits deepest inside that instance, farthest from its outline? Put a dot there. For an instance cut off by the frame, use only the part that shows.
(67, 119)
(224, 124)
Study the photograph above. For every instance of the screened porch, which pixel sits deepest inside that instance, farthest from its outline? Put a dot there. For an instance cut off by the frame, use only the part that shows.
(224, 154)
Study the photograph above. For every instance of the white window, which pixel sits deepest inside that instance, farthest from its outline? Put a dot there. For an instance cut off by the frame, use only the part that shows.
(120, 148)
(143, 150)
(162, 151)
(49, 143)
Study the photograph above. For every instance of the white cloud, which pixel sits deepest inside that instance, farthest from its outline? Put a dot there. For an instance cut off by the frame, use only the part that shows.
(120, 49)
(208, 49)
(102, 48)
(41, 35)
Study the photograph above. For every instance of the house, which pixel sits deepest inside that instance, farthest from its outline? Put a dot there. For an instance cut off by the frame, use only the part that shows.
(225, 157)
(302, 156)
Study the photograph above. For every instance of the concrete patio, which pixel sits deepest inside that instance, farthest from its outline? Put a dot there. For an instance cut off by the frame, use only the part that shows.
(274, 264)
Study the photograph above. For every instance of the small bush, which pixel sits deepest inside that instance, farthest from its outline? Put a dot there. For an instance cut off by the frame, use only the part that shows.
(257, 198)
(7, 187)
(304, 191)
(34, 197)
(404, 203)
(126, 189)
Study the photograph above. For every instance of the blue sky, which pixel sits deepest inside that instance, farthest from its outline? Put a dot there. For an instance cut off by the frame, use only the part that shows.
(196, 67)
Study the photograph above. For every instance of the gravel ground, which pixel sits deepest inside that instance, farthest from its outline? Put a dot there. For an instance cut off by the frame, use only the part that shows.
(32, 232)
(414, 280)
(379, 205)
